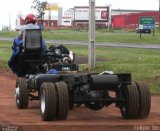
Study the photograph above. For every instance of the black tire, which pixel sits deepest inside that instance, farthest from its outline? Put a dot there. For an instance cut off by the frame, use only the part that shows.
(48, 101)
(144, 100)
(129, 110)
(21, 93)
(63, 100)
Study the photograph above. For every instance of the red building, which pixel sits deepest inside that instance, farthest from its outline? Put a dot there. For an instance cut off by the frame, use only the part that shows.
(131, 20)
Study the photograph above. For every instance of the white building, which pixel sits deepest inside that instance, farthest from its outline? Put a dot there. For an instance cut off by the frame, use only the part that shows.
(79, 16)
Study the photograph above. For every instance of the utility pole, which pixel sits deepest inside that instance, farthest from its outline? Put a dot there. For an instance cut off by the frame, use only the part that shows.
(91, 45)
(49, 17)
(109, 16)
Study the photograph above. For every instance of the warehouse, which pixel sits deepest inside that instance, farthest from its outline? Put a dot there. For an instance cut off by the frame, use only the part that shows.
(131, 20)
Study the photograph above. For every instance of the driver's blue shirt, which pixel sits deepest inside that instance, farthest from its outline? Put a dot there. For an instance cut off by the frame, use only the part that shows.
(12, 63)
(16, 43)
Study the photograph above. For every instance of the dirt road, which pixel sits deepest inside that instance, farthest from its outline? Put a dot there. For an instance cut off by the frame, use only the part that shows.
(80, 119)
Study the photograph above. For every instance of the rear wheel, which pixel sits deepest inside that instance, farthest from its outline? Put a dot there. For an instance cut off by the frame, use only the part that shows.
(21, 93)
(48, 101)
(129, 109)
(144, 100)
(63, 100)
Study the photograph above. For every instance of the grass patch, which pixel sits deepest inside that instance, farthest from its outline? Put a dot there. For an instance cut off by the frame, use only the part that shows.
(127, 38)
(6, 45)
(103, 35)
(8, 33)
(5, 53)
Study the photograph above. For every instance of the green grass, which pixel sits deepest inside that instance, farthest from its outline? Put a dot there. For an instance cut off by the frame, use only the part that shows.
(5, 53)
(144, 64)
(8, 33)
(103, 35)
(128, 38)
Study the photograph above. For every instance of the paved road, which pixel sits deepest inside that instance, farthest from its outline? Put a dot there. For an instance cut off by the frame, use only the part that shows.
(107, 44)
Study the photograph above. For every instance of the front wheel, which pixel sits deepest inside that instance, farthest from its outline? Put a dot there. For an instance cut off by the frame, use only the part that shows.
(21, 93)
(48, 101)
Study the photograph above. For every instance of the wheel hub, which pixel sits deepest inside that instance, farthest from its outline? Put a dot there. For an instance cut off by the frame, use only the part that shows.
(17, 94)
(43, 105)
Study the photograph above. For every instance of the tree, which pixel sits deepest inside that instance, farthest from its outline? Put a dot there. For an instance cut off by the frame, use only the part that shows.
(40, 7)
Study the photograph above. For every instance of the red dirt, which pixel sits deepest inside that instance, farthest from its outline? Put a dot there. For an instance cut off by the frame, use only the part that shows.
(107, 119)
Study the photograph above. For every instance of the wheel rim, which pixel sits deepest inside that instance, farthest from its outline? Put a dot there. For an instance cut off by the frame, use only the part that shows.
(17, 93)
(43, 105)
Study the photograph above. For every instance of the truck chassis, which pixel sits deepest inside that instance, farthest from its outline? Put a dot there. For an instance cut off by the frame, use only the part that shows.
(59, 93)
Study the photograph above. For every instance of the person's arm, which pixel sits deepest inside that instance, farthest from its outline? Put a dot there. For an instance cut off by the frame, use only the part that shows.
(19, 42)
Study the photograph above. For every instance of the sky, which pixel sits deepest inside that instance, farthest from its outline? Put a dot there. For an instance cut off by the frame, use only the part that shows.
(10, 8)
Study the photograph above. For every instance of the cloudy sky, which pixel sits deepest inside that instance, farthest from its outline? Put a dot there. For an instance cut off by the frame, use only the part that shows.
(10, 8)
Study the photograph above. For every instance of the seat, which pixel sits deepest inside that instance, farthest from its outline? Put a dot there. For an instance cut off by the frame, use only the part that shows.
(32, 56)
(32, 40)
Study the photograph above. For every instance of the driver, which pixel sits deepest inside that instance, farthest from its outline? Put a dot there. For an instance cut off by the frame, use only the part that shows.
(30, 21)
(17, 47)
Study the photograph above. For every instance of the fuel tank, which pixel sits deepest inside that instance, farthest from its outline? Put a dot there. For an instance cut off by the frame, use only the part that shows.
(104, 82)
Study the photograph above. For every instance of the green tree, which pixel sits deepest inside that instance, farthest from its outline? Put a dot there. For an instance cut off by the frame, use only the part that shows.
(40, 7)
